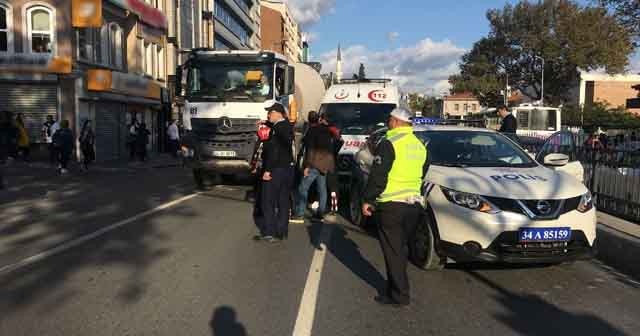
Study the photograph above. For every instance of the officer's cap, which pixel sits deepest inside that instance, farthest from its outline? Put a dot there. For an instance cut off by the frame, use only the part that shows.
(274, 105)
(402, 114)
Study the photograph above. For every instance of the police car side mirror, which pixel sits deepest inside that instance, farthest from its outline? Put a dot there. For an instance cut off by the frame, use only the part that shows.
(556, 160)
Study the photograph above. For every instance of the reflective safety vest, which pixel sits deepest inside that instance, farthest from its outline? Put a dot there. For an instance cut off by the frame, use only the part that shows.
(405, 176)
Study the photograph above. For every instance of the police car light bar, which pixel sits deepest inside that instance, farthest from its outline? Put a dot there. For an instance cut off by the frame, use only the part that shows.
(451, 122)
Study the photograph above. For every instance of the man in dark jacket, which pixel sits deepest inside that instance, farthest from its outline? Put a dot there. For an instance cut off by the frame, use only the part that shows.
(318, 162)
(63, 141)
(8, 141)
(277, 176)
(509, 123)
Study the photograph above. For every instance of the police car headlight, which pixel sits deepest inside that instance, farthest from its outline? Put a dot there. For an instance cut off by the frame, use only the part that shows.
(469, 201)
(586, 202)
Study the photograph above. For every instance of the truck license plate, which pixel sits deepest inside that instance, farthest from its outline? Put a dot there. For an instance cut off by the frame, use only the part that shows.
(225, 154)
(545, 234)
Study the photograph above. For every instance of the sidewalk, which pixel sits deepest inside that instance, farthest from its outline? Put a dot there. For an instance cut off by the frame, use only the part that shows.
(619, 244)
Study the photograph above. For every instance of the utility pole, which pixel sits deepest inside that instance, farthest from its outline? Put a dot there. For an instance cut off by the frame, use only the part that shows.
(541, 82)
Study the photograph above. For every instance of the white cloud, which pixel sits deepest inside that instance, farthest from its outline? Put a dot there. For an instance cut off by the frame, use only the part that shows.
(309, 12)
(311, 36)
(392, 36)
(417, 68)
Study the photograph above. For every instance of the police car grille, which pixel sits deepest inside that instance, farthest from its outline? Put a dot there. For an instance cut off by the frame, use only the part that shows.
(533, 206)
(511, 205)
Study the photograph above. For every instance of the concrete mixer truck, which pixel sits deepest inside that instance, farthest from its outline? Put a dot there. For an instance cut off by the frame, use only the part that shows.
(224, 93)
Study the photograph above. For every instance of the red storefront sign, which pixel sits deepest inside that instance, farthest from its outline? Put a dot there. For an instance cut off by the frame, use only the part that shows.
(146, 12)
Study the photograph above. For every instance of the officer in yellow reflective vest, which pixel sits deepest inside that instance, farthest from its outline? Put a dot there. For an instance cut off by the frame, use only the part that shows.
(393, 192)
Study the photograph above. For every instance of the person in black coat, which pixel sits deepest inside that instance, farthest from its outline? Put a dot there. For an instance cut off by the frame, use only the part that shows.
(277, 175)
(142, 140)
(63, 141)
(509, 123)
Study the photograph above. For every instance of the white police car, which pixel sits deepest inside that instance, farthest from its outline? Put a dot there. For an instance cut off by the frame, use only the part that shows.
(488, 200)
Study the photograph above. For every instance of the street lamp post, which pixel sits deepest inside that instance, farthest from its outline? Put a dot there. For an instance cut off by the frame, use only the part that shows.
(541, 82)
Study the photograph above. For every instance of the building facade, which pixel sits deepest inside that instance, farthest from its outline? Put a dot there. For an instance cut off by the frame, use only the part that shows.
(613, 90)
(459, 105)
(280, 32)
(78, 60)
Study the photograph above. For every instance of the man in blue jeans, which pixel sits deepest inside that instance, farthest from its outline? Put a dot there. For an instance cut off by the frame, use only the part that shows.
(318, 162)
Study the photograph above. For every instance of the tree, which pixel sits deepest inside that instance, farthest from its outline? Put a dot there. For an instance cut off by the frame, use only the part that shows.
(361, 73)
(628, 14)
(599, 114)
(567, 36)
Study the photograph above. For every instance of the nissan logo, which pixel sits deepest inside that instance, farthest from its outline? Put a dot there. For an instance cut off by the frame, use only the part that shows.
(544, 207)
(224, 123)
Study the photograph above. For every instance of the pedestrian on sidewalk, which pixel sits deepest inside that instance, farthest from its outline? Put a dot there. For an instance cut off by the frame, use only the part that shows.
(87, 144)
(142, 140)
(132, 137)
(277, 178)
(63, 140)
(319, 160)
(8, 140)
(174, 138)
(48, 129)
(23, 138)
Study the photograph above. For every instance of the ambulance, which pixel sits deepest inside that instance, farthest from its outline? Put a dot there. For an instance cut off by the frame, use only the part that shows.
(358, 108)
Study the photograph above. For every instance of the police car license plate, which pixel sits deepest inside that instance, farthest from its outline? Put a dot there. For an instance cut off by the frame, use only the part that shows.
(528, 235)
(225, 154)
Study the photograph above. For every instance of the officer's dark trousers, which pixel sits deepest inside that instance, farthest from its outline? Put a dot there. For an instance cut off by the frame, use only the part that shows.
(275, 202)
(397, 223)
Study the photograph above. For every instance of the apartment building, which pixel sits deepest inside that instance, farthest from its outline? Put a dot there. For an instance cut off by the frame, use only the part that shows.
(78, 60)
(279, 30)
(459, 105)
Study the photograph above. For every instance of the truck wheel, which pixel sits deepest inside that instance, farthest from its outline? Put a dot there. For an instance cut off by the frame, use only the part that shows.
(422, 250)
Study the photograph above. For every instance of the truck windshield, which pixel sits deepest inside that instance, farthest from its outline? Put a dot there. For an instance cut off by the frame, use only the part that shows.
(358, 118)
(473, 149)
(230, 82)
(537, 119)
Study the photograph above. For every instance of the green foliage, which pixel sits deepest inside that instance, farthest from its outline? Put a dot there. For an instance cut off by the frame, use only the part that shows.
(427, 105)
(361, 72)
(568, 36)
(627, 12)
(599, 115)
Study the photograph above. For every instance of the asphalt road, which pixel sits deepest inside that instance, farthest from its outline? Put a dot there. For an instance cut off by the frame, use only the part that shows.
(193, 269)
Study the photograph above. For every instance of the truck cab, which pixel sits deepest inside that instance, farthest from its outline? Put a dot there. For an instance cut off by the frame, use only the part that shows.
(223, 94)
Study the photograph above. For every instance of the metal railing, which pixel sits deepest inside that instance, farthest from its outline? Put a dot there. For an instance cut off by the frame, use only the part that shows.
(612, 175)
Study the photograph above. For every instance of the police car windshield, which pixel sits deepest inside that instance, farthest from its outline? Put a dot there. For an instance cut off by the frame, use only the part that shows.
(357, 118)
(473, 149)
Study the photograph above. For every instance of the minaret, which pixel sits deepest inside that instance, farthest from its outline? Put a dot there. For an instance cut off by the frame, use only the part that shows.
(339, 65)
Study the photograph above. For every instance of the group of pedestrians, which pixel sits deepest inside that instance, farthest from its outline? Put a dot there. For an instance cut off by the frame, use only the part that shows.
(138, 140)
(278, 200)
(393, 191)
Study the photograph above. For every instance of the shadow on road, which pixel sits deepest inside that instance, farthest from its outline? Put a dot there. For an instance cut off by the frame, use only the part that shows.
(349, 254)
(224, 322)
(73, 208)
(531, 315)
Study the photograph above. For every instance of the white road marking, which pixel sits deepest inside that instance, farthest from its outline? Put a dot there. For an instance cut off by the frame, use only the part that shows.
(307, 309)
(80, 240)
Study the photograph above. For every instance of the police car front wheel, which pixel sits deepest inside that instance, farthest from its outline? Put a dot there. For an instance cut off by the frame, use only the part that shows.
(422, 250)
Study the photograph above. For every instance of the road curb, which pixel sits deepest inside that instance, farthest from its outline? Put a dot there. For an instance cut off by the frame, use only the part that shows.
(619, 250)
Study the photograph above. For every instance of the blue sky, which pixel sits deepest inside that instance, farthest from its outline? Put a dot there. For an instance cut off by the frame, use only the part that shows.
(429, 36)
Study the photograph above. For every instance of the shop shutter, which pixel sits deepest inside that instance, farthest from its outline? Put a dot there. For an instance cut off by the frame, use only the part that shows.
(34, 101)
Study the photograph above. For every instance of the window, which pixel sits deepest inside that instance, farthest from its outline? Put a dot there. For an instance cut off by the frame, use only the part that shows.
(6, 25)
(161, 62)
(141, 55)
(474, 107)
(456, 107)
(225, 17)
(148, 59)
(85, 47)
(40, 28)
(115, 45)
